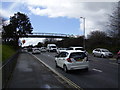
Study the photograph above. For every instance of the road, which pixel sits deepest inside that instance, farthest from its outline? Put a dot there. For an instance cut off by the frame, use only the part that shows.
(103, 72)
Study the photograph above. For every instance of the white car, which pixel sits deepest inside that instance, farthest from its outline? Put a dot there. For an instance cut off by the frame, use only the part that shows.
(100, 52)
(43, 49)
(36, 51)
(78, 49)
(51, 47)
(61, 50)
(72, 60)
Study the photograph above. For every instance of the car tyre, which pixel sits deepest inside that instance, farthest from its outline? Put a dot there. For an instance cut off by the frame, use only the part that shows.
(65, 68)
(102, 56)
(94, 55)
(56, 64)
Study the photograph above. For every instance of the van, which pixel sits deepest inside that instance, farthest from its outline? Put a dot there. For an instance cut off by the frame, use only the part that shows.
(51, 47)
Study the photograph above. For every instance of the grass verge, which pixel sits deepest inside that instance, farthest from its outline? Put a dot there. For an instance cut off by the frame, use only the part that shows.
(7, 52)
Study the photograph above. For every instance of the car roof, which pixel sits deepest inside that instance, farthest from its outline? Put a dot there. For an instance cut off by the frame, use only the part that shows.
(71, 51)
(101, 48)
(75, 47)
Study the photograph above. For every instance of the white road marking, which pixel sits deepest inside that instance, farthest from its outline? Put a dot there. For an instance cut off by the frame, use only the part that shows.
(113, 63)
(60, 75)
(97, 70)
(112, 58)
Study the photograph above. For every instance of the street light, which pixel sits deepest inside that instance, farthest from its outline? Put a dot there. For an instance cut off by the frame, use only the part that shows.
(84, 30)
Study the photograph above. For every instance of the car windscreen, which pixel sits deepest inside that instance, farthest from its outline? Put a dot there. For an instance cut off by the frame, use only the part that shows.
(63, 54)
(69, 49)
(53, 46)
(36, 49)
(78, 55)
(105, 50)
(79, 49)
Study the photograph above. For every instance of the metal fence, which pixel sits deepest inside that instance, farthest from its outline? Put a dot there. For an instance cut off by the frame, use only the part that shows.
(7, 69)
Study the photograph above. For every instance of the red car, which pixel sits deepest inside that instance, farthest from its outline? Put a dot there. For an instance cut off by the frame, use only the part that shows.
(118, 56)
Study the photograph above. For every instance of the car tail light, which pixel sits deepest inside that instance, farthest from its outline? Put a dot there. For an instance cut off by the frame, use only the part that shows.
(69, 60)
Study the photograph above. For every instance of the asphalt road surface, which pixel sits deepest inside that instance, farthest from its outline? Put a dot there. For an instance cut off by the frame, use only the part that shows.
(103, 72)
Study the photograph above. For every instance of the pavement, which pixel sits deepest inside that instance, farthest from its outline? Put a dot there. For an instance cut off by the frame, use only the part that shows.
(31, 73)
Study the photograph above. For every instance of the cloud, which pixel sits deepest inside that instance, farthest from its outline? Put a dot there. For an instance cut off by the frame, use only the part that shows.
(5, 13)
(96, 13)
(31, 41)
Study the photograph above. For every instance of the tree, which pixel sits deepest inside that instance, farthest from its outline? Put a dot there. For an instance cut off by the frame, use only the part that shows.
(19, 25)
(39, 44)
(97, 39)
(49, 41)
(114, 27)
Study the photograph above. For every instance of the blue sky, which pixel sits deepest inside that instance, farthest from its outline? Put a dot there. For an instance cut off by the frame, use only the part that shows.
(46, 24)
(59, 16)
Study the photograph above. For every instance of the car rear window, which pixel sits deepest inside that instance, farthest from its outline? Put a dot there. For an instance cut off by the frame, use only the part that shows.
(78, 55)
(79, 49)
(53, 46)
(69, 48)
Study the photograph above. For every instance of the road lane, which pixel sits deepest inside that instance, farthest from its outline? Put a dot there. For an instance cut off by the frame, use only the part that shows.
(108, 78)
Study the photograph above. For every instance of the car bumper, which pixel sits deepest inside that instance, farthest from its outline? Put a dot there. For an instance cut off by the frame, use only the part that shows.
(78, 66)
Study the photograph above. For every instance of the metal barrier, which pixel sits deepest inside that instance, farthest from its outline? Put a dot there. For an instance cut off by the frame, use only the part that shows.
(7, 69)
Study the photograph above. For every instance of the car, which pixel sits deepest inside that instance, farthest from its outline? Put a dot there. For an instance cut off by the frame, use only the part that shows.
(43, 49)
(78, 49)
(61, 50)
(36, 51)
(100, 52)
(118, 57)
(72, 60)
(24, 49)
(51, 48)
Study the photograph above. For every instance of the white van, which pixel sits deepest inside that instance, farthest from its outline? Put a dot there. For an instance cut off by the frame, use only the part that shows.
(51, 47)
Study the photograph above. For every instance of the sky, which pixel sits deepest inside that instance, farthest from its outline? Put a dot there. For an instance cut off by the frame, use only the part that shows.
(60, 16)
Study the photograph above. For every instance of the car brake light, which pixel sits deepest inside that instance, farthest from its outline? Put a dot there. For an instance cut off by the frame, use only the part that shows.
(69, 60)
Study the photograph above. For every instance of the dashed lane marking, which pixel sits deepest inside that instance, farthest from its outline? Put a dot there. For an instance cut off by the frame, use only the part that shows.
(97, 70)
(112, 58)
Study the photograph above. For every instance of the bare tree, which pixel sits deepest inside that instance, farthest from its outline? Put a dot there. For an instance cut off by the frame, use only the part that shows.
(114, 27)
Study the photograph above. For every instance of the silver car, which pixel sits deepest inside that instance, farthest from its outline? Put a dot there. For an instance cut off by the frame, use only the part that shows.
(36, 51)
(100, 52)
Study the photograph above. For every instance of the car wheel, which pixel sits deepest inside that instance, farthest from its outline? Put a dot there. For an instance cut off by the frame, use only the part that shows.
(65, 68)
(102, 56)
(86, 69)
(56, 64)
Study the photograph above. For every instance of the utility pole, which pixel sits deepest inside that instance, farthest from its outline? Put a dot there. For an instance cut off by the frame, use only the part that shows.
(83, 31)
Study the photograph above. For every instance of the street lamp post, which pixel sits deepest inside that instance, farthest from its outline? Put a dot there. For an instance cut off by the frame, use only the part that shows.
(84, 31)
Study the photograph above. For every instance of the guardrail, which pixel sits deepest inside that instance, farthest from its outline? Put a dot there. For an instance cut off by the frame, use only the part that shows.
(7, 69)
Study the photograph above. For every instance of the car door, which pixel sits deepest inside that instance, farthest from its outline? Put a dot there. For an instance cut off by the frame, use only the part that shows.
(97, 51)
(62, 58)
